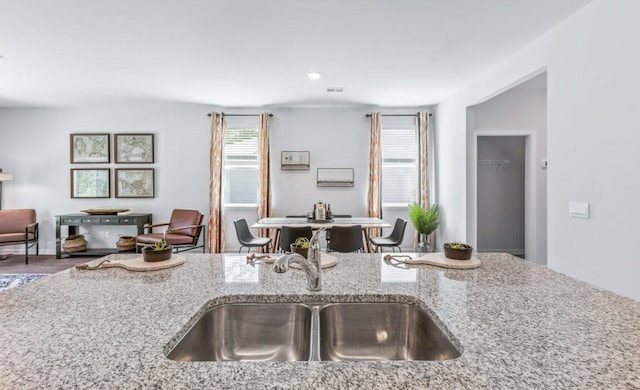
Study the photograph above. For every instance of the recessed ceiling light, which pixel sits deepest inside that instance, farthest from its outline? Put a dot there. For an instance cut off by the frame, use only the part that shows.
(314, 75)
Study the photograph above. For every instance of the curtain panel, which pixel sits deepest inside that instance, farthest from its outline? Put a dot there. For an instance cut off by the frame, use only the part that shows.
(374, 201)
(423, 161)
(264, 179)
(216, 161)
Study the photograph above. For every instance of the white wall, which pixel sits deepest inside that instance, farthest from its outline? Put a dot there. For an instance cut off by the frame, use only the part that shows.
(519, 110)
(34, 146)
(593, 90)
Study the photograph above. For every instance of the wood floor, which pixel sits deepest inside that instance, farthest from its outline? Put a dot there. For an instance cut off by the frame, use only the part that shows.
(44, 264)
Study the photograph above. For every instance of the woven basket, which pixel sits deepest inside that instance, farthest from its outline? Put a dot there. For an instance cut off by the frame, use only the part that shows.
(74, 243)
(126, 243)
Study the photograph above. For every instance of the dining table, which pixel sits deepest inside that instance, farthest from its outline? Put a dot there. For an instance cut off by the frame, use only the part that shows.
(276, 223)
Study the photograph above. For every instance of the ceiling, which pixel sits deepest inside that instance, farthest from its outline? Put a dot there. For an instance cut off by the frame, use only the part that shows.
(257, 53)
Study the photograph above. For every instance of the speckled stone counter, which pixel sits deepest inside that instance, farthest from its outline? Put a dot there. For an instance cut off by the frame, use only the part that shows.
(519, 326)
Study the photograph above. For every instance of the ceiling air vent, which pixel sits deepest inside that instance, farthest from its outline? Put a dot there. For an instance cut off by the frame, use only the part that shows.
(335, 89)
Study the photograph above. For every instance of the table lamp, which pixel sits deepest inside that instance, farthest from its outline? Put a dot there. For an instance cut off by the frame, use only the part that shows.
(4, 177)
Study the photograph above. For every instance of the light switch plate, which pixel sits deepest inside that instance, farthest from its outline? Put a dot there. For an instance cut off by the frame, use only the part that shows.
(579, 209)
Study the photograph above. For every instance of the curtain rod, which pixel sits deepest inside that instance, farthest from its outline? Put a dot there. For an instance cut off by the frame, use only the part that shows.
(209, 114)
(369, 115)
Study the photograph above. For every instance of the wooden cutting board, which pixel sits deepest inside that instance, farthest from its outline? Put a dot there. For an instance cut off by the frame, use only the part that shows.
(437, 259)
(135, 264)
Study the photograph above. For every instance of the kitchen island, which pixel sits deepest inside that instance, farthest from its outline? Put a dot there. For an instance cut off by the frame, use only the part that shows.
(517, 324)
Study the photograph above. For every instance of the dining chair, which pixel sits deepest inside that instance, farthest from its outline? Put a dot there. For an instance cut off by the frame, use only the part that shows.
(289, 234)
(393, 240)
(346, 239)
(246, 239)
(183, 231)
(327, 234)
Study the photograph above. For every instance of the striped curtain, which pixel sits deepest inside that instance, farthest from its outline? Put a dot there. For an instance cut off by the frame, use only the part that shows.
(374, 201)
(264, 185)
(423, 150)
(216, 159)
(422, 122)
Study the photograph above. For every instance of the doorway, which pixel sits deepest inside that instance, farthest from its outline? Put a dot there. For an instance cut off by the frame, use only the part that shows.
(502, 194)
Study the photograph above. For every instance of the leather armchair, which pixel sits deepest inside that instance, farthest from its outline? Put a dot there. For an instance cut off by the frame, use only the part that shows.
(17, 227)
(183, 231)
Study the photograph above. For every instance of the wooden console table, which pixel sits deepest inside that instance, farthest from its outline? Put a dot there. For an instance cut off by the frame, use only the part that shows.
(73, 221)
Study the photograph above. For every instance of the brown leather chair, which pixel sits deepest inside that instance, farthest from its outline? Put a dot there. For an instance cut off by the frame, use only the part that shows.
(346, 239)
(183, 231)
(17, 227)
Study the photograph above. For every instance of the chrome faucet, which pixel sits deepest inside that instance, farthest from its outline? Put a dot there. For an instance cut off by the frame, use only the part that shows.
(311, 265)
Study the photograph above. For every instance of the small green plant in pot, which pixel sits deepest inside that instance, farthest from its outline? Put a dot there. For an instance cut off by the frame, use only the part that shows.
(301, 246)
(158, 251)
(425, 222)
(457, 250)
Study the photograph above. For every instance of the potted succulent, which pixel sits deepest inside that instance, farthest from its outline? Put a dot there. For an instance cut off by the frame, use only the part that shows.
(301, 246)
(159, 251)
(425, 222)
(457, 250)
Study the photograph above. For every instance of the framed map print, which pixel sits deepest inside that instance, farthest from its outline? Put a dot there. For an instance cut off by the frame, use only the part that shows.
(90, 148)
(133, 148)
(90, 183)
(134, 183)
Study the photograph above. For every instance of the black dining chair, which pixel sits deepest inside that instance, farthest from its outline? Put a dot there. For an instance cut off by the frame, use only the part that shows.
(394, 240)
(246, 239)
(346, 239)
(327, 234)
(289, 234)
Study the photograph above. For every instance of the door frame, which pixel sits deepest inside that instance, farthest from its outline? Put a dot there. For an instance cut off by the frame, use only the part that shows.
(530, 187)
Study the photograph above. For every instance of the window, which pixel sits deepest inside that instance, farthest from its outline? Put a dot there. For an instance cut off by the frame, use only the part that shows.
(241, 167)
(399, 152)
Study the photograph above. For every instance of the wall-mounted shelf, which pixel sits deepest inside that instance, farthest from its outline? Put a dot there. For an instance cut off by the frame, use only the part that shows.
(335, 177)
(294, 160)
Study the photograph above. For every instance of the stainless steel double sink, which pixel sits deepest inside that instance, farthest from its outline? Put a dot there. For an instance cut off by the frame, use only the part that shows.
(323, 331)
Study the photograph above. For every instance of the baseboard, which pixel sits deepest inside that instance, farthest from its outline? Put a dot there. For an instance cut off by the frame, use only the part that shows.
(511, 251)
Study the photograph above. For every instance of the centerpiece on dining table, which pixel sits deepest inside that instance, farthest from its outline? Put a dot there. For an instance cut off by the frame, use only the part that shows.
(321, 213)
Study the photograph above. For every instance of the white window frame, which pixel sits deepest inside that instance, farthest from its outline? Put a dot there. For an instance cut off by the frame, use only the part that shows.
(415, 163)
(225, 170)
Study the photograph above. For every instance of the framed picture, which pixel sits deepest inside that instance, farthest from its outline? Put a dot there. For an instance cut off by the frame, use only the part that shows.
(335, 177)
(90, 148)
(294, 160)
(90, 183)
(134, 183)
(133, 148)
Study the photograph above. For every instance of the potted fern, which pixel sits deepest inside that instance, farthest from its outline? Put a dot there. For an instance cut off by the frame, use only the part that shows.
(159, 251)
(425, 222)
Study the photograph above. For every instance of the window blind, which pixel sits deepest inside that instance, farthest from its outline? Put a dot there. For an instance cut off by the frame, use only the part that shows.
(399, 152)
(241, 166)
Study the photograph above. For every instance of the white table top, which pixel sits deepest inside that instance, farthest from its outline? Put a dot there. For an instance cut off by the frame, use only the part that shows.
(278, 222)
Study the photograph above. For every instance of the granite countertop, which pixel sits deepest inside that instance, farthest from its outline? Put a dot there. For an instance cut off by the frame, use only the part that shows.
(519, 325)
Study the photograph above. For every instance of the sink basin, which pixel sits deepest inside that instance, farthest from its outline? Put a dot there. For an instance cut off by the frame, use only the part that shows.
(314, 331)
(248, 332)
(381, 331)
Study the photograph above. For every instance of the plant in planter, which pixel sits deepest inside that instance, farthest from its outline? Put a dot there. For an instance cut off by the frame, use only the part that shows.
(457, 250)
(159, 251)
(301, 246)
(425, 222)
